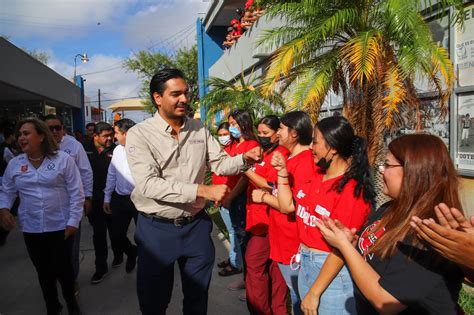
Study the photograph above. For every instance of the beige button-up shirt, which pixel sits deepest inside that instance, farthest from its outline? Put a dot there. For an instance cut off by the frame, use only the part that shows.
(167, 170)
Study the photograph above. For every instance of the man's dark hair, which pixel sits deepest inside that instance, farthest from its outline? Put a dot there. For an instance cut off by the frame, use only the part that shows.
(158, 82)
(7, 132)
(102, 126)
(51, 117)
(124, 124)
(90, 124)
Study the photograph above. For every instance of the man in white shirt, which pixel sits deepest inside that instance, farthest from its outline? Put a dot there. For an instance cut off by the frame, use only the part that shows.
(117, 202)
(75, 149)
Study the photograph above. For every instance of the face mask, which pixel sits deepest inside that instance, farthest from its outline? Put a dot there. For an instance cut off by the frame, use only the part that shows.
(323, 163)
(235, 132)
(265, 142)
(224, 140)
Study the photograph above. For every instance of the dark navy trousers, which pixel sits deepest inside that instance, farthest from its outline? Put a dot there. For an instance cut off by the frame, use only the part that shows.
(160, 245)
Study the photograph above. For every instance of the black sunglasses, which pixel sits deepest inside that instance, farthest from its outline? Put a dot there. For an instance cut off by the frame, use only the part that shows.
(56, 128)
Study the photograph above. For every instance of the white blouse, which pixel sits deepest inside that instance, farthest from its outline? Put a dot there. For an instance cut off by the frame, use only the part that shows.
(51, 197)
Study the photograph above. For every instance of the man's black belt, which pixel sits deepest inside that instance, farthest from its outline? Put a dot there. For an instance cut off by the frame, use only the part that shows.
(178, 222)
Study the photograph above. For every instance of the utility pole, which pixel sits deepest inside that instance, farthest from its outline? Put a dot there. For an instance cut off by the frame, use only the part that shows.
(100, 112)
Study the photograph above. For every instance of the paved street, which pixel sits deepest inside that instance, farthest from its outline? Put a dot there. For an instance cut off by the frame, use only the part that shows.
(20, 293)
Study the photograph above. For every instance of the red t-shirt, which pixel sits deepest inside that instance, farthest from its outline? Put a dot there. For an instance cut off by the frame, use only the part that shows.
(282, 234)
(225, 180)
(240, 148)
(317, 199)
(258, 213)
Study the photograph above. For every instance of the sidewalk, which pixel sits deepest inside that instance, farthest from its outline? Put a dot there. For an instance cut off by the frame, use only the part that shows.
(20, 293)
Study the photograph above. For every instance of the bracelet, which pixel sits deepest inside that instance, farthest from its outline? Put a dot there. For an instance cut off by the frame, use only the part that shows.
(262, 198)
(283, 176)
(283, 183)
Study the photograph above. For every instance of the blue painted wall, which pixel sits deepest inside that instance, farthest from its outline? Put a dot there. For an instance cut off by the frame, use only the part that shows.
(209, 51)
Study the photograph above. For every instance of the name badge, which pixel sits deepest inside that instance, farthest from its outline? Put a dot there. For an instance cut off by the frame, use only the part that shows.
(196, 141)
(322, 211)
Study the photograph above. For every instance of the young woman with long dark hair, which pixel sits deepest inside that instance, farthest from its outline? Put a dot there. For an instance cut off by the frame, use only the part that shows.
(340, 188)
(228, 143)
(241, 129)
(394, 270)
(295, 134)
(266, 288)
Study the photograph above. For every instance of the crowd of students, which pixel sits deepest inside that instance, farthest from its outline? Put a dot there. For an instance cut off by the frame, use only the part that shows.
(302, 222)
(312, 229)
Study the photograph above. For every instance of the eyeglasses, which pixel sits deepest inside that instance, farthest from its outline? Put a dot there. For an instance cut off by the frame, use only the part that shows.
(382, 167)
(56, 128)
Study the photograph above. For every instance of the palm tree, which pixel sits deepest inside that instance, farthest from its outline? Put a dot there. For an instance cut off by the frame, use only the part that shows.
(243, 94)
(366, 51)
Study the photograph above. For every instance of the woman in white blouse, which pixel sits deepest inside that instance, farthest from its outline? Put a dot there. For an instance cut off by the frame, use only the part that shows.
(51, 206)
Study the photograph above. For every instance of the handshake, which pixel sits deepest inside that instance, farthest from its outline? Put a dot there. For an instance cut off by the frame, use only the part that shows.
(219, 192)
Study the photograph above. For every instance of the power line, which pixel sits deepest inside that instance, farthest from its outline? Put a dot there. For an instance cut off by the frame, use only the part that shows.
(102, 71)
(112, 99)
(172, 36)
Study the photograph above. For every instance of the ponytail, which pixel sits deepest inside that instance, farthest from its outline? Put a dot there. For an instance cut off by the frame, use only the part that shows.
(359, 170)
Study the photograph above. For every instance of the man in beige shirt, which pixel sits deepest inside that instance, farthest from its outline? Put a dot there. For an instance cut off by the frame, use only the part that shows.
(168, 156)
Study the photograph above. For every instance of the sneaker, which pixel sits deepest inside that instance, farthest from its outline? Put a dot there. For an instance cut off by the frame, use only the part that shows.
(237, 285)
(117, 262)
(243, 297)
(98, 276)
(131, 260)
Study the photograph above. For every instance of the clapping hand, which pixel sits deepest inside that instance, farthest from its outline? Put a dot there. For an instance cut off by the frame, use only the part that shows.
(336, 233)
(452, 237)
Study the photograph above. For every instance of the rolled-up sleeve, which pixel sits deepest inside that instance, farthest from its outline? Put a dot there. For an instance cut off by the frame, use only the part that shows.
(75, 192)
(219, 161)
(8, 191)
(148, 175)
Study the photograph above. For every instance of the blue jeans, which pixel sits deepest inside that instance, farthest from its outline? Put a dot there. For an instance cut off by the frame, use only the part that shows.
(238, 214)
(291, 279)
(338, 297)
(235, 254)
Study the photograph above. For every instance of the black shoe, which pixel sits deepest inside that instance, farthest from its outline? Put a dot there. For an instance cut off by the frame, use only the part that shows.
(117, 262)
(131, 260)
(224, 263)
(98, 276)
(73, 307)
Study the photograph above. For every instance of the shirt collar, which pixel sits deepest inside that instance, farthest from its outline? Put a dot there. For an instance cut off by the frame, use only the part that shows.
(163, 124)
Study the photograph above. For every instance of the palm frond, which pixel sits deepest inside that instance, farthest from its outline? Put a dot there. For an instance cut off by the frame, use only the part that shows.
(361, 53)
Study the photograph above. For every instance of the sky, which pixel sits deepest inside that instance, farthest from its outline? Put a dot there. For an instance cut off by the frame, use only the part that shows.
(109, 31)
